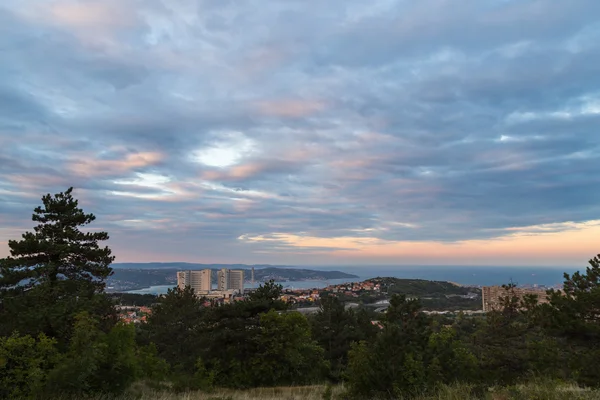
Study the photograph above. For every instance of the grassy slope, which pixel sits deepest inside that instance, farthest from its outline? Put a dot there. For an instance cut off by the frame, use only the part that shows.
(532, 391)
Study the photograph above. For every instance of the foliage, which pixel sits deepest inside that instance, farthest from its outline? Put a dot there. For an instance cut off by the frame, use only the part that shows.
(175, 326)
(96, 362)
(420, 287)
(134, 299)
(451, 303)
(55, 272)
(335, 328)
(57, 249)
(243, 344)
(407, 357)
(24, 364)
(509, 345)
(288, 354)
(449, 358)
(268, 295)
(248, 343)
(151, 366)
(392, 364)
(572, 319)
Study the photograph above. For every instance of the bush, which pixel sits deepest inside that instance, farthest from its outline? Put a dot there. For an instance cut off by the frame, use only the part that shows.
(96, 362)
(24, 365)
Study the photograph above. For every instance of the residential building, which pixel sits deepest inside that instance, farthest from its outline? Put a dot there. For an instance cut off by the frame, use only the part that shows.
(492, 296)
(236, 280)
(200, 281)
(225, 296)
(228, 279)
(182, 279)
(222, 278)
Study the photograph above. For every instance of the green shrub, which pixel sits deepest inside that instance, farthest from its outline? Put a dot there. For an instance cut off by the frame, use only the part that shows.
(24, 365)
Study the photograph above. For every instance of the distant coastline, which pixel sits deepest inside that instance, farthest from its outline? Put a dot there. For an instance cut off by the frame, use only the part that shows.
(307, 284)
(125, 278)
(318, 277)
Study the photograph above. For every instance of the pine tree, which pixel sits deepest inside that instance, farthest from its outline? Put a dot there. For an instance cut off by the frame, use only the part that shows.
(336, 328)
(55, 271)
(573, 318)
(57, 249)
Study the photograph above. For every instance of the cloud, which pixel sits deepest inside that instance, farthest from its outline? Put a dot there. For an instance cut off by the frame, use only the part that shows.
(524, 246)
(89, 15)
(308, 133)
(88, 166)
(289, 108)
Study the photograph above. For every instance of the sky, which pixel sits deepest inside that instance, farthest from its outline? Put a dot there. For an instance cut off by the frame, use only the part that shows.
(302, 132)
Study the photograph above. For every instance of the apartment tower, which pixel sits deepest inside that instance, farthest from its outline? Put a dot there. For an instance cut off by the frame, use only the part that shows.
(492, 296)
(230, 279)
(200, 281)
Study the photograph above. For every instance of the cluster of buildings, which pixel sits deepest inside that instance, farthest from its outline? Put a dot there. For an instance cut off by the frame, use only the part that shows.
(295, 296)
(133, 314)
(351, 289)
(492, 296)
(230, 283)
(307, 296)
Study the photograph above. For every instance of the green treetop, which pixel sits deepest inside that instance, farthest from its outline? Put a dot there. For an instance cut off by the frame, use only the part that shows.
(57, 249)
(55, 272)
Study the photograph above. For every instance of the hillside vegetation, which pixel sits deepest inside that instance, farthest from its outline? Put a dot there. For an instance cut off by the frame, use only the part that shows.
(434, 295)
(421, 287)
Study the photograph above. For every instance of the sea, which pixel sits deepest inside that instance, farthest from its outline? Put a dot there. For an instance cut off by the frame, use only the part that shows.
(470, 276)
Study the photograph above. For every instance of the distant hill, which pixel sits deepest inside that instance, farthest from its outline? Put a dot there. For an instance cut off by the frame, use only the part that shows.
(298, 274)
(190, 266)
(433, 295)
(130, 276)
(422, 287)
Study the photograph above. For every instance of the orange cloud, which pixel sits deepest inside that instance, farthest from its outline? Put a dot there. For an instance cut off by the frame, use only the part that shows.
(90, 15)
(237, 172)
(289, 108)
(97, 167)
(246, 170)
(95, 22)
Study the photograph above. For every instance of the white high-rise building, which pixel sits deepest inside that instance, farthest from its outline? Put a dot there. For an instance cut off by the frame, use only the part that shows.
(228, 279)
(222, 279)
(200, 281)
(236, 280)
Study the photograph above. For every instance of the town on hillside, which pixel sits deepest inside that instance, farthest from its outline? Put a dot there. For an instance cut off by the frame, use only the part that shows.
(446, 298)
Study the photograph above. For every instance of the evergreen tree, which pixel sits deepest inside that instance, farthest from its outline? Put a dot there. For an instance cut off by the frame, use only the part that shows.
(573, 318)
(268, 295)
(96, 362)
(57, 249)
(286, 354)
(576, 309)
(395, 363)
(175, 328)
(55, 272)
(233, 337)
(449, 359)
(510, 344)
(335, 329)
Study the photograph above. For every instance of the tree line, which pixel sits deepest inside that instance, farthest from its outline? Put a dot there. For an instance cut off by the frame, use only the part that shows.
(60, 334)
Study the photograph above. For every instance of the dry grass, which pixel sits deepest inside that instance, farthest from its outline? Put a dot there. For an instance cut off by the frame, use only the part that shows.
(278, 393)
(533, 391)
(537, 390)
